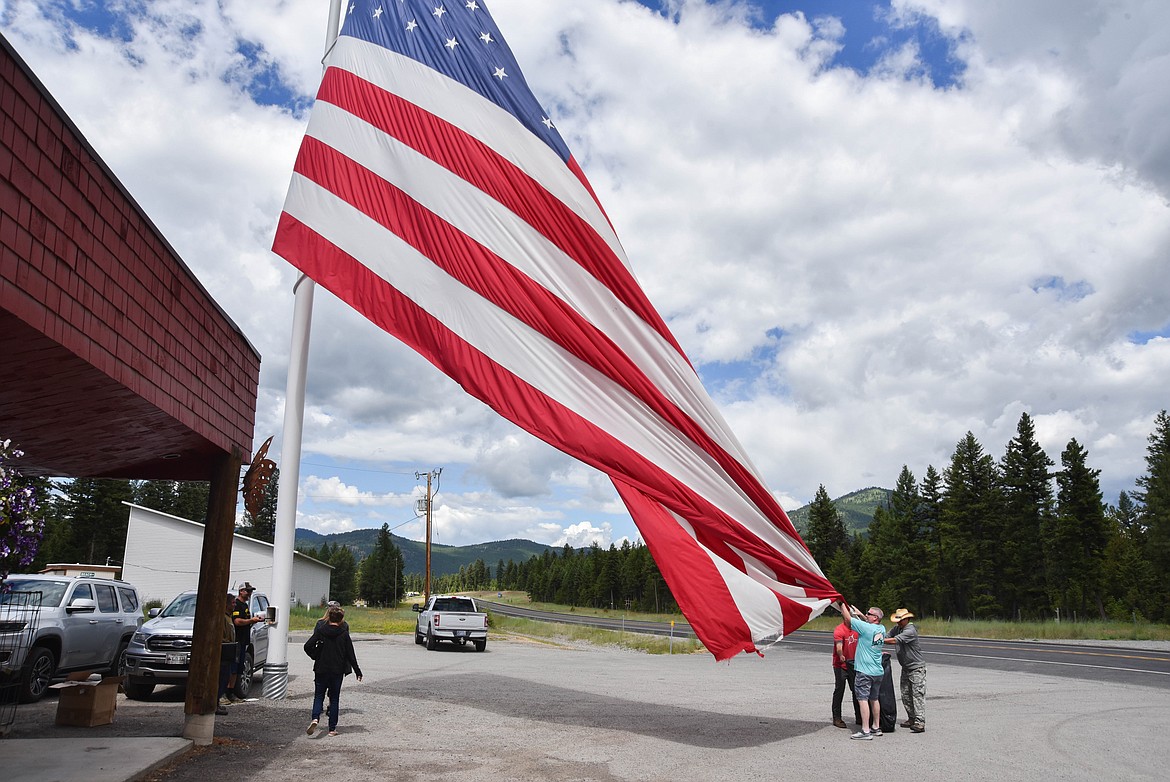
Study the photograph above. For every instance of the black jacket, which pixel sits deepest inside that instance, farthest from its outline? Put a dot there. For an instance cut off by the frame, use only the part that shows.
(337, 655)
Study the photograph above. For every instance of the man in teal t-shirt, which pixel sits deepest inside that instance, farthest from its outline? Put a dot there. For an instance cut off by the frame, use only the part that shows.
(868, 664)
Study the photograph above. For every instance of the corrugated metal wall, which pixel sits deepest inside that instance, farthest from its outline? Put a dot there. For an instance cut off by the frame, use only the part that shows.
(162, 560)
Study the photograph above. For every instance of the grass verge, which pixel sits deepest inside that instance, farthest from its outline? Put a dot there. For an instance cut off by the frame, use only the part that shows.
(401, 620)
(650, 644)
(1017, 631)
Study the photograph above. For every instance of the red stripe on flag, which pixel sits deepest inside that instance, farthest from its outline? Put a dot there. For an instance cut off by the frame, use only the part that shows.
(480, 165)
(525, 405)
(681, 561)
(501, 283)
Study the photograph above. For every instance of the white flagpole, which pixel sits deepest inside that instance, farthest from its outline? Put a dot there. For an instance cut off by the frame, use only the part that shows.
(276, 668)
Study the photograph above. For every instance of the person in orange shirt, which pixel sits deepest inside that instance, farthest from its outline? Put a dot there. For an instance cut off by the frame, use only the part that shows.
(844, 647)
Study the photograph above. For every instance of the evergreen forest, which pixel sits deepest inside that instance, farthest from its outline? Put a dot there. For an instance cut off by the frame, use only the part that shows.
(1018, 537)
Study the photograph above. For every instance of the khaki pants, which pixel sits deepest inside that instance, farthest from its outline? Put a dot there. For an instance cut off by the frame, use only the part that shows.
(913, 687)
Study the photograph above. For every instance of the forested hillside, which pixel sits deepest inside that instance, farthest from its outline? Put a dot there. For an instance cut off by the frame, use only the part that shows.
(856, 509)
(1014, 537)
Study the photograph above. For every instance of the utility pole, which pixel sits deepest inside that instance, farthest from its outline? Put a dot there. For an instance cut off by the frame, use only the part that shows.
(427, 579)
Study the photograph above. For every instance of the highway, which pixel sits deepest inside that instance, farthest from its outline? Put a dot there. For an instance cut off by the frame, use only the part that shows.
(1096, 662)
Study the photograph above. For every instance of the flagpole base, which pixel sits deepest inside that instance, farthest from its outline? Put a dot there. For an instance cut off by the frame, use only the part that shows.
(276, 681)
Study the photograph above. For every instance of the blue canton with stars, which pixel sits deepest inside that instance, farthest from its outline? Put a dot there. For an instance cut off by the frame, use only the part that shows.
(459, 39)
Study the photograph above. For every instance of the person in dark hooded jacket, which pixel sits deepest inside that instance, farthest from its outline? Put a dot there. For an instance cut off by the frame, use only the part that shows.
(334, 662)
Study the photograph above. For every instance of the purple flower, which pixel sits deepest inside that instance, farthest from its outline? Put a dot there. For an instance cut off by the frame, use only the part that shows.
(21, 528)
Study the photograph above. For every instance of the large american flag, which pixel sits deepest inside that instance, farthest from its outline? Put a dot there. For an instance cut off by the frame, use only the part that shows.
(433, 193)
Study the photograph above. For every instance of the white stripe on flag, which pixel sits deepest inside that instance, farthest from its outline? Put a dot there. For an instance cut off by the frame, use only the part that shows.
(529, 355)
(480, 118)
(489, 223)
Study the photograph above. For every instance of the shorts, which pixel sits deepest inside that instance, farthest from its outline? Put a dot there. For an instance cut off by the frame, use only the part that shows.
(866, 687)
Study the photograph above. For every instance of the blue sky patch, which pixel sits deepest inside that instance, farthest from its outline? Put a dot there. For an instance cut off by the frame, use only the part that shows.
(1144, 337)
(1064, 290)
(262, 80)
(871, 32)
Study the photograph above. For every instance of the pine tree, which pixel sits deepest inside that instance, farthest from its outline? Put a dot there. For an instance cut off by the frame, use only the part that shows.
(1077, 547)
(826, 528)
(1128, 516)
(93, 521)
(970, 531)
(884, 584)
(156, 495)
(931, 495)
(1154, 496)
(191, 500)
(1129, 579)
(913, 561)
(343, 578)
(1028, 502)
(381, 577)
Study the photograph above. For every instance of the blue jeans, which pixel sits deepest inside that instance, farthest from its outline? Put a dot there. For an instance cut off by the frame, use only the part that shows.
(327, 683)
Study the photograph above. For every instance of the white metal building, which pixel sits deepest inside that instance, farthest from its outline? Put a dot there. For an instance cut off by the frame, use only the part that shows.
(163, 553)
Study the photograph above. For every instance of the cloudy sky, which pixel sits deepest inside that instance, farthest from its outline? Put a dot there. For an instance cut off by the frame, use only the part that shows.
(873, 226)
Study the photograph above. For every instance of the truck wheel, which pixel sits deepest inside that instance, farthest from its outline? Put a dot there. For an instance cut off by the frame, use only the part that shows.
(418, 637)
(118, 664)
(138, 689)
(37, 674)
(244, 677)
(432, 642)
(480, 645)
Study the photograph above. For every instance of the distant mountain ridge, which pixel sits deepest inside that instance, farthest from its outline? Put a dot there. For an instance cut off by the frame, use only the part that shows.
(444, 559)
(856, 508)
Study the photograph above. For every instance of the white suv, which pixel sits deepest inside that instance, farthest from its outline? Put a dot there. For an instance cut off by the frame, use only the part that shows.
(53, 625)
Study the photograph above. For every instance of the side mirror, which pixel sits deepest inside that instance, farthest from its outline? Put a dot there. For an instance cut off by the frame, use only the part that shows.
(417, 608)
(81, 605)
(152, 613)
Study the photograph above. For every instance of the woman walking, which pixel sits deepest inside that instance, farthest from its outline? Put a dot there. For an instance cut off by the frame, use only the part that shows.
(334, 660)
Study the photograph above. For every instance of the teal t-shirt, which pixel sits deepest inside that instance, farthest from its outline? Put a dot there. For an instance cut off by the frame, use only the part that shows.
(871, 637)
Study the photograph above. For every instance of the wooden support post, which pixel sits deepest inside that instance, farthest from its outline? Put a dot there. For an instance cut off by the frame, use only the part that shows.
(203, 675)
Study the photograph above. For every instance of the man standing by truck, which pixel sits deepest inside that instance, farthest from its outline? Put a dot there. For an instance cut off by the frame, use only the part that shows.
(243, 620)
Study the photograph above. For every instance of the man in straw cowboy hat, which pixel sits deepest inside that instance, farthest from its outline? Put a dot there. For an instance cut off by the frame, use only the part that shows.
(913, 680)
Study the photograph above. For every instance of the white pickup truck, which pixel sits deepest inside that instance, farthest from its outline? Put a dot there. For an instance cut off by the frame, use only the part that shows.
(452, 618)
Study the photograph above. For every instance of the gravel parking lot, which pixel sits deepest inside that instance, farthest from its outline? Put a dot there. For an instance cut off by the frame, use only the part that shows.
(527, 710)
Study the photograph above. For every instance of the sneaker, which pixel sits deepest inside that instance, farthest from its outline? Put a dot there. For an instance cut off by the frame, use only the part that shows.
(860, 736)
(917, 728)
(221, 711)
(224, 701)
(312, 728)
(840, 723)
(876, 733)
(332, 733)
(233, 699)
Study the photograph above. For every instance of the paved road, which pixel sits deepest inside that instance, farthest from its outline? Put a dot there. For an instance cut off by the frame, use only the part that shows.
(542, 712)
(1120, 664)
